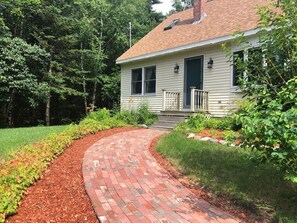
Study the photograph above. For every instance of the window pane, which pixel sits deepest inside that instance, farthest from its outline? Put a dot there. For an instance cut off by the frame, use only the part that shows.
(150, 80)
(237, 73)
(137, 75)
(150, 73)
(150, 86)
(136, 87)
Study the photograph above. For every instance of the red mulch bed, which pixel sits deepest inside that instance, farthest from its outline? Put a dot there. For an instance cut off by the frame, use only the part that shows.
(59, 196)
(221, 202)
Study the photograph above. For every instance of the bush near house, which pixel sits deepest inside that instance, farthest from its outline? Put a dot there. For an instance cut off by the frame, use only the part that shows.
(197, 122)
(269, 121)
(141, 115)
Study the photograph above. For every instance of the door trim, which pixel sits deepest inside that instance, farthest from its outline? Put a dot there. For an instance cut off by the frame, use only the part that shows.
(185, 76)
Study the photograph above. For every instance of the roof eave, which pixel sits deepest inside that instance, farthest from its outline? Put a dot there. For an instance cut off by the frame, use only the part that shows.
(187, 47)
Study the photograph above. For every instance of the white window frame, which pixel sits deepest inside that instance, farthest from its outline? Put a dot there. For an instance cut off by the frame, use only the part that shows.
(131, 82)
(143, 82)
(236, 88)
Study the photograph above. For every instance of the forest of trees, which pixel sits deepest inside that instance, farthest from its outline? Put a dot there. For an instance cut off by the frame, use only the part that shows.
(57, 57)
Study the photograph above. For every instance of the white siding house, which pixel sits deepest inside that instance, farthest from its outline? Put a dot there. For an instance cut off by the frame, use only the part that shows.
(146, 73)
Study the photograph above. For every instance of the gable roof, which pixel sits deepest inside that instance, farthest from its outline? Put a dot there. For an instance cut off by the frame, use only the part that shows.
(223, 17)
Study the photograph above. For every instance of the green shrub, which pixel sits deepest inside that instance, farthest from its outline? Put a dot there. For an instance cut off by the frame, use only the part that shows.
(219, 123)
(140, 116)
(195, 123)
(99, 115)
(270, 126)
(127, 116)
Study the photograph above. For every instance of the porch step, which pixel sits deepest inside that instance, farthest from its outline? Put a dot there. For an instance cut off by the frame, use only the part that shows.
(167, 120)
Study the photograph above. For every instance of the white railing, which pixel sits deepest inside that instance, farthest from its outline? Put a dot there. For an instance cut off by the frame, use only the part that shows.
(171, 100)
(199, 100)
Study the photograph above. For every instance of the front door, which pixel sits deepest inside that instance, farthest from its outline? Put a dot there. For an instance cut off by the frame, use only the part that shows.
(193, 77)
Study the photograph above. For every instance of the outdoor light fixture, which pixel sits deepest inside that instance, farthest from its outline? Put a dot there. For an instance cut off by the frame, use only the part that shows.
(210, 63)
(176, 68)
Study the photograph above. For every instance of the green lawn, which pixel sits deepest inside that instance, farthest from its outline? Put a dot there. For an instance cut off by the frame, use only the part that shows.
(228, 171)
(12, 139)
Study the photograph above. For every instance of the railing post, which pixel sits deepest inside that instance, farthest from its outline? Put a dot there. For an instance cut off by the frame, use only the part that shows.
(192, 98)
(164, 99)
(207, 101)
(178, 101)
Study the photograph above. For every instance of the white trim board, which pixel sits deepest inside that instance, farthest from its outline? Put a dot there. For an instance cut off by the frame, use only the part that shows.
(187, 47)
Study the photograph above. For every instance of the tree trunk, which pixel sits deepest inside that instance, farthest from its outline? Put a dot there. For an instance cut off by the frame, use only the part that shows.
(48, 111)
(94, 96)
(84, 78)
(48, 104)
(10, 109)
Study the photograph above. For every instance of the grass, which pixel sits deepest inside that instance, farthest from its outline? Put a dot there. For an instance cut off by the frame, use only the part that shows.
(229, 172)
(12, 139)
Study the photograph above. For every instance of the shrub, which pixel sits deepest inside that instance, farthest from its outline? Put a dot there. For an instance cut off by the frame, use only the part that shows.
(270, 126)
(220, 123)
(128, 116)
(195, 123)
(99, 115)
(140, 116)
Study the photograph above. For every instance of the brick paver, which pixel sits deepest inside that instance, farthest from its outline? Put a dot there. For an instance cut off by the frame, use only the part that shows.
(126, 184)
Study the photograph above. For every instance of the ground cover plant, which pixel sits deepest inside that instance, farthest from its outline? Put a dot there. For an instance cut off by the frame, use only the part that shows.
(12, 139)
(219, 128)
(17, 174)
(228, 171)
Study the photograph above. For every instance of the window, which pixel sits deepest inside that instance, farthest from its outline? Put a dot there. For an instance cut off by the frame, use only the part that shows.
(255, 55)
(238, 73)
(137, 81)
(143, 81)
(150, 80)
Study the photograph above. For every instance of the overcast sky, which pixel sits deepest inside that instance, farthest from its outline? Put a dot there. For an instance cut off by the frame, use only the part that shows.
(164, 7)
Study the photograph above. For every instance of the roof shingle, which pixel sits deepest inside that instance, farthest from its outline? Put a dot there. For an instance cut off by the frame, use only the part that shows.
(224, 17)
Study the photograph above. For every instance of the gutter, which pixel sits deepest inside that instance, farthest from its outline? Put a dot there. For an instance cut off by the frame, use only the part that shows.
(187, 47)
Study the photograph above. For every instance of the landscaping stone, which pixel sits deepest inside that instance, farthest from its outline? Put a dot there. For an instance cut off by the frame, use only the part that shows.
(213, 140)
(205, 139)
(197, 137)
(144, 126)
(223, 142)
(191, 136)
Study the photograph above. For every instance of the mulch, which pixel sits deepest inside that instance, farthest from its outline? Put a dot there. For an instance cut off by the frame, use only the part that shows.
(224, 203)
(59, 196)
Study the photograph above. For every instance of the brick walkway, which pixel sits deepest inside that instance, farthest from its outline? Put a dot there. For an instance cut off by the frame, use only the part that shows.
(125, 184)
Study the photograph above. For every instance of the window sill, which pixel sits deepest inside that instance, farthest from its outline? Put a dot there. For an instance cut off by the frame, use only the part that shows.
(235, 89)
(144, 95)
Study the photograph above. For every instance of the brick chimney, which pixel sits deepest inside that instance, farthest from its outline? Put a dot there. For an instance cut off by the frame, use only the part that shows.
(199, 9)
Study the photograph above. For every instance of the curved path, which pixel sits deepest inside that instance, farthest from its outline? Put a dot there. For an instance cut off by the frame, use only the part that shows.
(126, 184)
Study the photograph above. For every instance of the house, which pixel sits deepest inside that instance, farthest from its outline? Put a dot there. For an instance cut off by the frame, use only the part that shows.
(180, 65)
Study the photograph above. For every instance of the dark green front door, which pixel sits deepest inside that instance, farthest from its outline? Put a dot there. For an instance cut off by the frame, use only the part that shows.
(193, 77)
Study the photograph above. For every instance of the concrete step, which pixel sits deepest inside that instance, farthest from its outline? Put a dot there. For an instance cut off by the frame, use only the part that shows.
(165, 128)
(175, 120)
(176, 113)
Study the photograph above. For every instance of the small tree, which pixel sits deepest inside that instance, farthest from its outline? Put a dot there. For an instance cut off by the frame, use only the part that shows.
(22, 67)
(269, 121)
